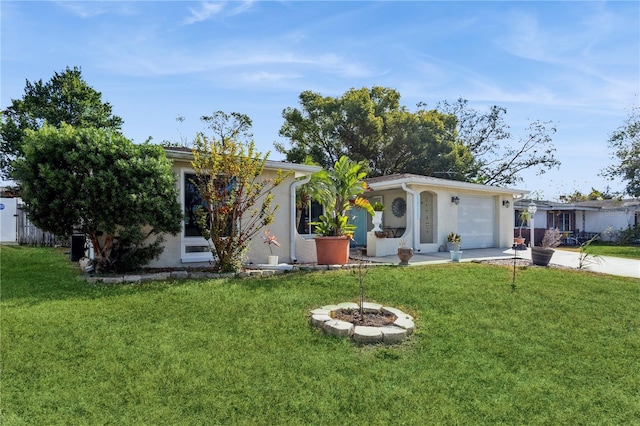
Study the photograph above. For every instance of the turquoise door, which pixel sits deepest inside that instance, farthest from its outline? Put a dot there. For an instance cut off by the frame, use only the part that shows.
(358, 217)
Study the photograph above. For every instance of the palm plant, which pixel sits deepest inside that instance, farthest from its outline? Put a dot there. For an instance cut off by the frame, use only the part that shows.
(338, 191)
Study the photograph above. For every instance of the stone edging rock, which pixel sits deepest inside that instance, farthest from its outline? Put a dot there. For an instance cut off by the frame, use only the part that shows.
(324, 319)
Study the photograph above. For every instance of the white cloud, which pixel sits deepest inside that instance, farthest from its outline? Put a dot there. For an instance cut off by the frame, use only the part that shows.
(206, 11)
(91, 9)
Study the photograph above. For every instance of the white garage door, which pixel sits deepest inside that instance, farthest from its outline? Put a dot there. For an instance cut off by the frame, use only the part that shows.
(476, 218)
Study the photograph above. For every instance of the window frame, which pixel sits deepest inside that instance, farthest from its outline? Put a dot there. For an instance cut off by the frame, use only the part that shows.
(186, 241)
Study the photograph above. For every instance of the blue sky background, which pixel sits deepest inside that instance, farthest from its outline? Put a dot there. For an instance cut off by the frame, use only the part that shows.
(575, 63)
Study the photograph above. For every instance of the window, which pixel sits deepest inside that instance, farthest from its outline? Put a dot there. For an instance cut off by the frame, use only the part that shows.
(194, 248)
(310, 213)
(519, 222)
(192, 200)
(562, 221)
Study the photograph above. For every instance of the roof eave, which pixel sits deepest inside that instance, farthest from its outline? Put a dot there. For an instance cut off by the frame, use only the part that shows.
(444, 183)
(176, 154)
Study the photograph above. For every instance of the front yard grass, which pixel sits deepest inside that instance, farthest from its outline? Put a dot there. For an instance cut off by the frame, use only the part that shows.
(560, 349)
(601, 248)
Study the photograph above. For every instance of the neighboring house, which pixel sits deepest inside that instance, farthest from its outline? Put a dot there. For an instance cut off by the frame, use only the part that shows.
(421, 211)
(582, 220)
(189, 248)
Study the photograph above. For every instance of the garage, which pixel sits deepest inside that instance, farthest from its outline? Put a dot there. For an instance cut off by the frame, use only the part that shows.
(476, 221)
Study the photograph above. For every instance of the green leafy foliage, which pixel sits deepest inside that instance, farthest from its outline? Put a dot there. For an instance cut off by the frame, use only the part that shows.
(625, 143)
(498, 157)
(338, 191)
(237, 199)
(98, 183)
(370, 125)
(65, 98)
(452, 141)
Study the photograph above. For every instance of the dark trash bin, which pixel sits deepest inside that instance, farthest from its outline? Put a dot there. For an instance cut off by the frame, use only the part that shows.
(77, 247)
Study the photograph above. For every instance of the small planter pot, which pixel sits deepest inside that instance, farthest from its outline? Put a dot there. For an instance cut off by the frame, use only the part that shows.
(453, 246)
(455, 255)
(541, 256)
(518, 241)
(405, 254)
(272, 260)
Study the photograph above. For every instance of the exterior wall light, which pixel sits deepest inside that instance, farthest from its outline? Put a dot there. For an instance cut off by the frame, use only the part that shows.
(506, 203)
(455, 200)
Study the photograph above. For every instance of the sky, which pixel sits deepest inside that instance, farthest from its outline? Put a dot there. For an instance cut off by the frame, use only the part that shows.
(576, 63)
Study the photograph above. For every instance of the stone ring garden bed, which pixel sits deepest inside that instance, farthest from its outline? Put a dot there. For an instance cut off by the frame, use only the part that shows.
(394, 327)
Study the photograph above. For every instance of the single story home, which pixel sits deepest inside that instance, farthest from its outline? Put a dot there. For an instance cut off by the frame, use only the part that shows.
(419, 211)
(581, 220)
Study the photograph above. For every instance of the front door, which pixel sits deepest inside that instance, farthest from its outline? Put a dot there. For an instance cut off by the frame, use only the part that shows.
(358, 217)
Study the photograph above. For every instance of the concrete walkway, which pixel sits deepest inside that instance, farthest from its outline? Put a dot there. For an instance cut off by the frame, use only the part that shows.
(602, 264)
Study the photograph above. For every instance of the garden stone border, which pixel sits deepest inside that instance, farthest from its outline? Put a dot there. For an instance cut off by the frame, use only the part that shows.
(324, 319)
(250, 271)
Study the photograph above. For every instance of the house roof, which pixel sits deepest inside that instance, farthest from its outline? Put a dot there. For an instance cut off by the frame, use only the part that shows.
(183, 153)
(396, 180)
(633, 204)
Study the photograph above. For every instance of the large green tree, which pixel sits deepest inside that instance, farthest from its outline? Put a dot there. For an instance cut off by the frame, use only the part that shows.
(236, 197)
(452, 140)
(498, 156)
(94, 181)
(370, 125)
(65, 98)
(625, 143)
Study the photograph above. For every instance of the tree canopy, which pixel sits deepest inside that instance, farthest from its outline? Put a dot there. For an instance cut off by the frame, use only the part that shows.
(451, 141)
(65, 98)
(98, 183)
(594, 195)
(370, 125)
(236, 199)
(498, 158)
(625, 143)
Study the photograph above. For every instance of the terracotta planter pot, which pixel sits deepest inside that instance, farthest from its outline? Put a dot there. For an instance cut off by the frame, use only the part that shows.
(405, 254)
(518, 241)
(541, 256)
(332, 250)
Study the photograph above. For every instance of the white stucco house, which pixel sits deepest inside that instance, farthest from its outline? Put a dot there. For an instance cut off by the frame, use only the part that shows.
(419, 210)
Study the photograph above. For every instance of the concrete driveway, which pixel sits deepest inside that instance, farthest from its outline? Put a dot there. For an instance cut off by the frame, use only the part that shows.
(602, 264)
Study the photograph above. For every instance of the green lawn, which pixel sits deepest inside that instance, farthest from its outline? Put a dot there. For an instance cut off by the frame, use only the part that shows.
(563, 348)
(609, 249)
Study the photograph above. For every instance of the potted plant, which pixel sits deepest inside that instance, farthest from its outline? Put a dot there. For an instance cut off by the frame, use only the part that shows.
(378, 207)
(524, 217)
(338, 191)
(271, 240)
(453, 244)
(541, 256)
(404, 253)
